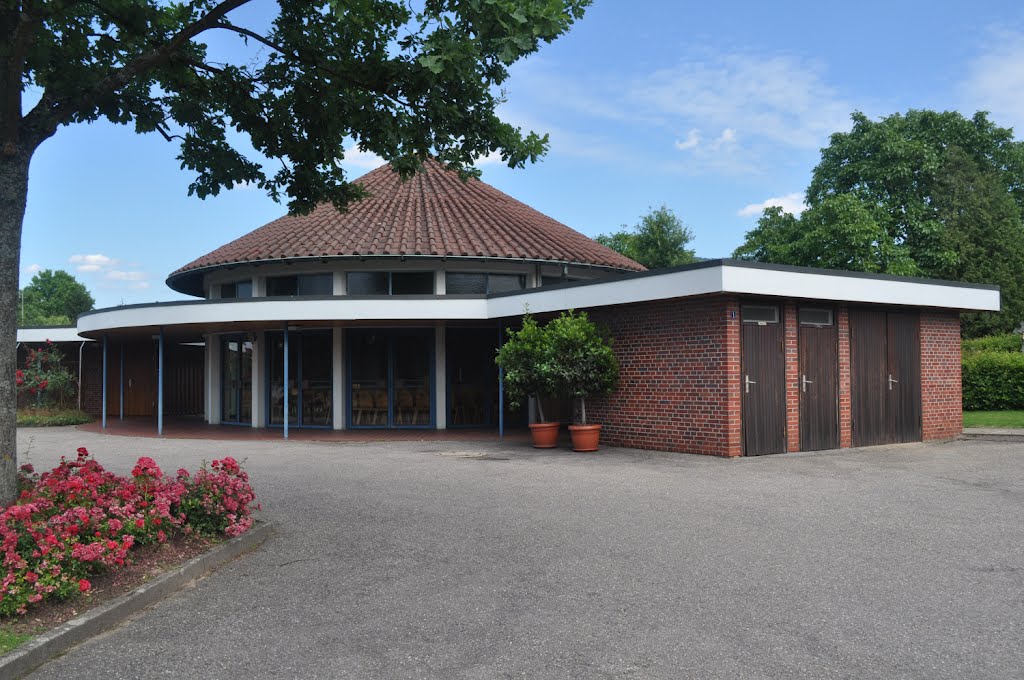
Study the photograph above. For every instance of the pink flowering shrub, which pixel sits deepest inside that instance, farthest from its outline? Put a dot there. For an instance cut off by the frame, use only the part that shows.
(78, 519)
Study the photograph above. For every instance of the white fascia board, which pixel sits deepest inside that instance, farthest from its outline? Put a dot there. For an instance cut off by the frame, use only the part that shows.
(41, 335)
(214, 312)
(616, 292)
(813, 286)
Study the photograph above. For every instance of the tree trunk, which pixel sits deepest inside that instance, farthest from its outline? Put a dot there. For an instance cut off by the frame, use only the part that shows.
(13, 194)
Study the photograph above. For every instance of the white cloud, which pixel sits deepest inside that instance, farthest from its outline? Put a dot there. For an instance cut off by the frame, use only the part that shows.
(728, 136)
(356, 158)
(91, 263)
(995, 81)
(31, 269)
(245, 185)
(791, 203)
(780, 98)
(693, 138)
(119, 275)
(489, 159)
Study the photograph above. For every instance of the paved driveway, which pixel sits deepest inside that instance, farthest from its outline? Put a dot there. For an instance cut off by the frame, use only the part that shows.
(414, 560)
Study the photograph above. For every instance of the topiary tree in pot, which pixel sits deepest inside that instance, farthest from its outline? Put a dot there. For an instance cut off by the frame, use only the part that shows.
(525, 359)
(584, 365)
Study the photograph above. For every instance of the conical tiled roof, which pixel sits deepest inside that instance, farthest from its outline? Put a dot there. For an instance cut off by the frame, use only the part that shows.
(434, 213)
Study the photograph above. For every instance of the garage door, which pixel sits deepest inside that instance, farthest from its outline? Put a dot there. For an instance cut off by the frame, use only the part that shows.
(885, 358)
(763, 376)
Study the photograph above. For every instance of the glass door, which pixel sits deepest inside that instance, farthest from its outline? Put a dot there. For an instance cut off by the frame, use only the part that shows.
(390, 378)
(236, 381)
(310, 357)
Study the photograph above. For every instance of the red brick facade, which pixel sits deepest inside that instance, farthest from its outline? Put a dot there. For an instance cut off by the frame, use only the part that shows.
(680, 384)
(679, 365)
(941, 396)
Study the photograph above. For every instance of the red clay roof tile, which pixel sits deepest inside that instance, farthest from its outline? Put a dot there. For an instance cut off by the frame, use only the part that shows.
(433, 213)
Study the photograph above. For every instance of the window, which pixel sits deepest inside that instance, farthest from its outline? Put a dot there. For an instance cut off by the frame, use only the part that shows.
(551, 280)
(815, 317)
(236, 289)
(459, 283)
(500, 283)
(412, 283)
(300, 284)
(316, 284)
(759, 314)
(390, 283)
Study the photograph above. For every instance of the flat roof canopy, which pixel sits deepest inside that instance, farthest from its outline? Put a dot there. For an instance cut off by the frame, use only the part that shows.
(705, 278)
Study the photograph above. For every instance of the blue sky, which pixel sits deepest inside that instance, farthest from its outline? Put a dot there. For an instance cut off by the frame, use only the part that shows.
(714, 109)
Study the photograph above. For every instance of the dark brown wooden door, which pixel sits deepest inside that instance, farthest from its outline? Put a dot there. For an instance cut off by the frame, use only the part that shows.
(763, 385)
(139, 379)
(885, 377)
(903, 379)
(819, 384)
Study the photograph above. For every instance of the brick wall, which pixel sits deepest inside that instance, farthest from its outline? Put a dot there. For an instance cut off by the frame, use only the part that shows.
(92, 377)
(679, 365)
(845, 405)
(941, 396)
(792, 359)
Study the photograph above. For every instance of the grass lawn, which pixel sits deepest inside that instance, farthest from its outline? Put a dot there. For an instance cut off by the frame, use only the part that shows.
(9, 641)
(993, 418)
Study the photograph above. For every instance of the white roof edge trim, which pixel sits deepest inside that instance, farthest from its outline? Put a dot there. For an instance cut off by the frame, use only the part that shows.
(277, 310)
(644, 288)
(814, 286)
(41, 335)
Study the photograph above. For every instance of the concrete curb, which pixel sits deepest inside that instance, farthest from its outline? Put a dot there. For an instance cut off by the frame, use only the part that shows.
(994, 434)
(41, 649)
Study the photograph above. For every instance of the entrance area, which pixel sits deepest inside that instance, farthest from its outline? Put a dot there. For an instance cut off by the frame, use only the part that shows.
(391, 378)
(309, 378)
(236, 381)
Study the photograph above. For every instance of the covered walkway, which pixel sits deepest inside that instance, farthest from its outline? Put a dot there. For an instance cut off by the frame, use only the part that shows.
(196, 428)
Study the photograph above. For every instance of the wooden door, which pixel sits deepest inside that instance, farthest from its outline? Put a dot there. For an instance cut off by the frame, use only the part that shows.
(763, 388)
(885, 363)
(140, 363)
(819, 379)
(903, 388)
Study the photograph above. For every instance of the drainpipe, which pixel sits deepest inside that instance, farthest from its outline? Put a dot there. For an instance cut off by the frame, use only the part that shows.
(80, 348)
(286, 390)
(103, 390)
(501, 390)
(160, 387)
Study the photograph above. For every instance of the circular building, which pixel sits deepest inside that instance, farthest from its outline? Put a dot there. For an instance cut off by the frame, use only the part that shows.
(370, 317)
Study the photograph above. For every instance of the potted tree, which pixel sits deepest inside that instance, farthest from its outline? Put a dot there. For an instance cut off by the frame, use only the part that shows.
(524, 357)
(584, 365)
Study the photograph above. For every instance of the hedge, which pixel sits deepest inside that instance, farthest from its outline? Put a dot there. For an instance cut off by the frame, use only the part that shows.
(993, 380)
(1008, 342)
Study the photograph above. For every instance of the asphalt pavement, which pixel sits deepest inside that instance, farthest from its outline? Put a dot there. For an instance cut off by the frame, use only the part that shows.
(475, 560)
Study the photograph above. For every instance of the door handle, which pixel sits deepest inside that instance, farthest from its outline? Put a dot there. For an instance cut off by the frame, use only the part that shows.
(891, 381)
(749, 382)
(805, 382)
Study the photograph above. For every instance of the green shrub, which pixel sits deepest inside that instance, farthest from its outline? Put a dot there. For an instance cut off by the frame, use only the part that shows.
(45, 417)
(993, 380)
(1008, 342)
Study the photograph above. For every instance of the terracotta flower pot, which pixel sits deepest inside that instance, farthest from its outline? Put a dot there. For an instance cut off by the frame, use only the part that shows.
(545, 435)
(585, 437)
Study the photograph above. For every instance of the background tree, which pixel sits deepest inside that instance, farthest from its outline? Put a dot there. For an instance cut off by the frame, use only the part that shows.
(403, 82)
(658, 241)
(925, 193)
(53, 298)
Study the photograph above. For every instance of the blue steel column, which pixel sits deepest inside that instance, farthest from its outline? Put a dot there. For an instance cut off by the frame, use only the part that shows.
(286, 390)
(501, 391)
(103, 390)
(160, 387)
(121, 411)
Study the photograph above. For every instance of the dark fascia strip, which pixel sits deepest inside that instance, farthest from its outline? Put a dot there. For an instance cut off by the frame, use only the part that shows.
(187, 276)
(46, 328)
(725, 262)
